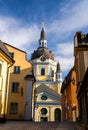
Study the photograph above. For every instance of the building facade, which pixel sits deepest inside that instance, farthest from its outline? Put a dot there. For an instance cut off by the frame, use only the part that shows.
(5, 63)
(20, 87)
(81, 66)
(47, 72)
(69, 97)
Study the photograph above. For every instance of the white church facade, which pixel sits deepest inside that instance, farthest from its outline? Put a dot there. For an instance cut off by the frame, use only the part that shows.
(48, 75)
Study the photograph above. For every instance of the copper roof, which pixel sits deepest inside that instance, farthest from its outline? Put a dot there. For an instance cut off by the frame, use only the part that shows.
(42, 36)
(42, 51)
(58, 67)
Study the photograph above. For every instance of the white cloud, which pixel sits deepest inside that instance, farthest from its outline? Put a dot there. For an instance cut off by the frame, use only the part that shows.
(76, 18)
(64, 49)
(14, 33)
(64, 54)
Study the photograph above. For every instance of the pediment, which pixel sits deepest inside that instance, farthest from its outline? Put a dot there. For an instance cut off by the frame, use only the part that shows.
(44, 90)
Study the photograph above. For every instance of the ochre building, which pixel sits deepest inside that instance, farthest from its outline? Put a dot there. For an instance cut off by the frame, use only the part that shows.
(48, 75)
(20, 87)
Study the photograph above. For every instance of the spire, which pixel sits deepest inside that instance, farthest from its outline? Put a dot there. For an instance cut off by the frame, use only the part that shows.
(58, 73)
(42, 41)
(42, 37)
(58, 67)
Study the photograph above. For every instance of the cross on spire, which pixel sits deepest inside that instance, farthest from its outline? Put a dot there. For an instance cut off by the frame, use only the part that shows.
(42, 24)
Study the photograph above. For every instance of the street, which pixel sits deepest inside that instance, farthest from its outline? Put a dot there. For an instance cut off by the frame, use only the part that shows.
(22, 125)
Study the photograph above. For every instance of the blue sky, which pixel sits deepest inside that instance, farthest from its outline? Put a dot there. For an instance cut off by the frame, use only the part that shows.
(20, 26)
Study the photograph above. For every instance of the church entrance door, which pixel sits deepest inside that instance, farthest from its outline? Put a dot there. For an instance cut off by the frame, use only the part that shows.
(57, 114)
(44, 119)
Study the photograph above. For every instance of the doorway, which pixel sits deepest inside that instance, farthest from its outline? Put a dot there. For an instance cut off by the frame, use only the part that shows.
(57, 114)
(44, 119)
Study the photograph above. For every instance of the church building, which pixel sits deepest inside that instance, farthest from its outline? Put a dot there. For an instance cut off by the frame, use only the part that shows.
(48, 75)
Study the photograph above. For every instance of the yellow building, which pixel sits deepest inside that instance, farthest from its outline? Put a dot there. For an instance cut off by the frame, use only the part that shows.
(47, 97)
(20, 87)
(5, 63)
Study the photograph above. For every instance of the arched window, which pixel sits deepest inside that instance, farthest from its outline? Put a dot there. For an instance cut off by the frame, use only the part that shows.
(42, 71)
(43, 111)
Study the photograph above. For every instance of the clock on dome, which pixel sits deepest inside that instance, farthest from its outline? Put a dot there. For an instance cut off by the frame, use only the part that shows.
(43, 58)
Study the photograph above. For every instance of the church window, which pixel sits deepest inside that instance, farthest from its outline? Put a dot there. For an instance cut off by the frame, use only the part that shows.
(43, 111)
(42, 71)
(42, 44)
(52, 73)
(44, 97)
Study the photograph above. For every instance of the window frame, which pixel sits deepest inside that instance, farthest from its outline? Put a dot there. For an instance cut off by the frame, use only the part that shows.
(13, 108)
(11, 54)
(15, 87)
(16, 69)
(43, 71)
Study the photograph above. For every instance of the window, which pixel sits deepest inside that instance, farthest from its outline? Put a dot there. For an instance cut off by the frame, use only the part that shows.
(16, 69)
(52, 73)
(11, 54)
(15, 87)
(43, 111)
(42, 71)
(44, 97)
(13, 108)
(42, 44)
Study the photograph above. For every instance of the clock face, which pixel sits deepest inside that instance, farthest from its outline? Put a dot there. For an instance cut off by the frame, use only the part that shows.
(44, 97)
(43, 58)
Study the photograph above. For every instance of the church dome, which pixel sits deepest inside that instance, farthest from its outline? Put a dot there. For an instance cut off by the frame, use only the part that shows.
(42, 50)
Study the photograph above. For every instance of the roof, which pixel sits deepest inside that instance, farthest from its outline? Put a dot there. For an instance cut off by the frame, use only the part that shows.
(4, 49)
(14, 47)
(42, 37)
(28, 77)
(67, 80)
(40, 52)
(44, 88)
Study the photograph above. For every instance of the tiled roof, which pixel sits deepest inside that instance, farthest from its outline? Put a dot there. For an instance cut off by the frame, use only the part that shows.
(4, 49)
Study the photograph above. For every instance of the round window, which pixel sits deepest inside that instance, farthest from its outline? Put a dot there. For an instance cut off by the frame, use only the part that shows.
(43, 111)
(44, 97)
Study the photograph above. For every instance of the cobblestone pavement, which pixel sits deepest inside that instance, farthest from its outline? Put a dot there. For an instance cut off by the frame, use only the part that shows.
(22, 125)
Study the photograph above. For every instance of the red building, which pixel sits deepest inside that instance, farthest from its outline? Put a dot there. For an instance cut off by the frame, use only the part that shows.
(69, 100)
